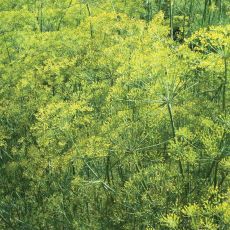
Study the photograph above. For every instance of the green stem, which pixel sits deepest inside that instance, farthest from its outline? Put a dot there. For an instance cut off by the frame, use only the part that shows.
(171, 18)
(171, 119)
(41, 17)
(215, 174)
(184, 19)
(63, 15)
(174, 134)
(144, 185)
(91, 26)
(225, 85)
(8, 52)
(220, 4)
(205, 11)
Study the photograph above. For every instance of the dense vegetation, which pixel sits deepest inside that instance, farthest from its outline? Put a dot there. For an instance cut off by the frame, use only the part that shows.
(114, 114)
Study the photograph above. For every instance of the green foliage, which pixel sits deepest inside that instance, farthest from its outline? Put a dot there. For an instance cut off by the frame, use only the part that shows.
(107, 121)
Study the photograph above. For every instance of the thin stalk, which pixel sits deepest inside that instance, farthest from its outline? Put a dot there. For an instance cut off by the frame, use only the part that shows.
(171, 119)
(205, 11)
(174, 133)
(107, 169)
(184, 19)
(149, 8)
(215, 162)
(91, 26)
(144, 184)
(159, 5)
(6, 222)
(223, 177)
(41, 17)
(171, 18)
(8, 52)
(225, 85)
(63, 15)
(190, 14)
(220, 10)
(121, 174)
(215, 174)
(189, 181)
